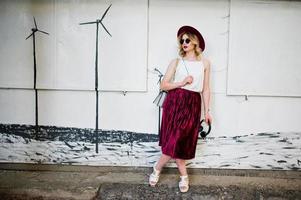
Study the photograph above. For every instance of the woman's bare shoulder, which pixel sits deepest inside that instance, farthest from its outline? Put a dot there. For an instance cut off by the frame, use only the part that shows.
(173, 62)
(207, 62)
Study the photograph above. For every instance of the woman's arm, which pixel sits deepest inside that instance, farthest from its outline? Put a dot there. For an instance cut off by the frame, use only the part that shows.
(206, 91)
(166, 83)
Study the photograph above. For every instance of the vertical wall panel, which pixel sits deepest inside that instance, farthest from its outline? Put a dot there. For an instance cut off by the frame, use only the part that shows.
(66, 57)
(264, 48)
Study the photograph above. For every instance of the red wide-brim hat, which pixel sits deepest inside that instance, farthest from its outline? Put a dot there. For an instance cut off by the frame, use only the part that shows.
(189, 29)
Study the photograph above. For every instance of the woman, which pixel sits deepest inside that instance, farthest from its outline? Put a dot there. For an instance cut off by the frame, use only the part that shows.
(186, 79)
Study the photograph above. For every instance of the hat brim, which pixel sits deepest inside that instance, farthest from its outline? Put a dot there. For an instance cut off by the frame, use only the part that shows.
(190, 29)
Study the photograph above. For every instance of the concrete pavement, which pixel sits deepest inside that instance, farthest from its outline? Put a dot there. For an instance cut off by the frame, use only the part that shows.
(32, 181)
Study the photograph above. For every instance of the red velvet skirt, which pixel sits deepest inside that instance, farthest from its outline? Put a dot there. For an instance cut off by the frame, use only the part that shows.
(180, 123)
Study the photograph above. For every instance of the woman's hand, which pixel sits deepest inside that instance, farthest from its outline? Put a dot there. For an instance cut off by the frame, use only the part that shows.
(208, 118)
(187, 80)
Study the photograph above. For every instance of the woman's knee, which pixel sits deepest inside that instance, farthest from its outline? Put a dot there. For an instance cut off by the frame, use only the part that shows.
(180, 162)
(166, 156)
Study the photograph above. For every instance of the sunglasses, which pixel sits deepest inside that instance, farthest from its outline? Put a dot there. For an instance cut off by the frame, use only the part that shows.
(187, 40)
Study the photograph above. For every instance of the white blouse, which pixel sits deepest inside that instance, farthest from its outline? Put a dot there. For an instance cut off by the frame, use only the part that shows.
(195, 69)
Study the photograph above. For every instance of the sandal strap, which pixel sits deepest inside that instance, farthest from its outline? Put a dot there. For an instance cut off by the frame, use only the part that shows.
(184, 182)
(156, 172)
(154, 177)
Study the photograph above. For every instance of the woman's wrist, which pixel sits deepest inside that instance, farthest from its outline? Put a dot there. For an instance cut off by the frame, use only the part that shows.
(180, 84)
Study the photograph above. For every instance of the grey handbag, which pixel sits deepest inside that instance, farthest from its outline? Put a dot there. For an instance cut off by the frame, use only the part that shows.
(160, 98)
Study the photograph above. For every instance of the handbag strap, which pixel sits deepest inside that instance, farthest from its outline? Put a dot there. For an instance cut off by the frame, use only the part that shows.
(185, 67)
(177, 62)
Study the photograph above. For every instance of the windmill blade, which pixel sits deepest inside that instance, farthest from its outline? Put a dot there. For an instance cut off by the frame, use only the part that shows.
(105, 12)
(35, 23)
(105, 29)
(29, 36)
(43, 32)
(87, 23)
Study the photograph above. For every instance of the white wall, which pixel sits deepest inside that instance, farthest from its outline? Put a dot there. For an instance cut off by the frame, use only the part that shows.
(68, 69)
(264, 48)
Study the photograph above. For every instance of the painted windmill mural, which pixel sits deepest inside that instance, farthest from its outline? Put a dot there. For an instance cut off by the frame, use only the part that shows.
(97, 22)
(34, 30)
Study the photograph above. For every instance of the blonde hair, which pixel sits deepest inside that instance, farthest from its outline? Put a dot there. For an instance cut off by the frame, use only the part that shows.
(194, 40)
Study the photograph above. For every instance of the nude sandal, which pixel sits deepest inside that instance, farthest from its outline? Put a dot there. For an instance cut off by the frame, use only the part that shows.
(184, 184)
(154, 177)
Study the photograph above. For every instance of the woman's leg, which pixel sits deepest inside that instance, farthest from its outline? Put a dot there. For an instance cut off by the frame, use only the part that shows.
(182, 167)
(184, 182)
(154, 177)
(162, 161)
